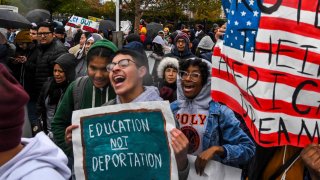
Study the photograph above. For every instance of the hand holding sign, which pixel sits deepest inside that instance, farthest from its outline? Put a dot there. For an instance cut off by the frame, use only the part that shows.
(68, 133)
(205, 156)
(180, 145)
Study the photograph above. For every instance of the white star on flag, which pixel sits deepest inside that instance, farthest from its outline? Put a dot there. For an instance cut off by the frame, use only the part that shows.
(243, 13)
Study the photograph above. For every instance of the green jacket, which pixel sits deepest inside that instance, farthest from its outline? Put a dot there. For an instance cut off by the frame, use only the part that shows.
(63, 115)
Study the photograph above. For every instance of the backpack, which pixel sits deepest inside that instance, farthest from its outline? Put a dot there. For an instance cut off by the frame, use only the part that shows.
(78, 89)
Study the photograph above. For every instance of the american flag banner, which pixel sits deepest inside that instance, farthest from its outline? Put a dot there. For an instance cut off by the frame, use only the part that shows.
(267, 68)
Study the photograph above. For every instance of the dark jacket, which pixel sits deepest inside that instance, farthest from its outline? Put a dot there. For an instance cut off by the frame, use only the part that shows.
(186, 54)
(45, 61)
(25, 72)
(168, 91)
(54, 91)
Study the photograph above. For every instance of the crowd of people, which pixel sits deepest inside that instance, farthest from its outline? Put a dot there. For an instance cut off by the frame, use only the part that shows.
(52, 75)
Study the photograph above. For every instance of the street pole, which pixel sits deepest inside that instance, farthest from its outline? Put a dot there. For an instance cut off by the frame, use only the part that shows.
(118, 15)
(117, 36)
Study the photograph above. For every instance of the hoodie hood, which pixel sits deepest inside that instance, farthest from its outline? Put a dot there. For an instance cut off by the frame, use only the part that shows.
(165, 63)
(150, 93)
(95, 37)
(39, 156)
(67, 62)
(206, 43)
(201, 101)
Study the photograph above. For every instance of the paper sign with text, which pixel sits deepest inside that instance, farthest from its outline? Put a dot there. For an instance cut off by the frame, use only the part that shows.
(86, 24)
(214, 170)
(124, 141)
(267, 69)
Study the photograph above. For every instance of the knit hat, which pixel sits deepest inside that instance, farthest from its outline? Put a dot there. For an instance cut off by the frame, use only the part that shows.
(182, 36)
(23, 37)
(165, 63)
(136, 46)
(104, 43)
(12, 102)
(206, 43)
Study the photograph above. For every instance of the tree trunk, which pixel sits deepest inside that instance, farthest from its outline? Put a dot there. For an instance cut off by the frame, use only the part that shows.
(138, 15)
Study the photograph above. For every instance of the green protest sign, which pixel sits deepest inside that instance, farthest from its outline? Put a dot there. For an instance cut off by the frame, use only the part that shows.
(124, 143)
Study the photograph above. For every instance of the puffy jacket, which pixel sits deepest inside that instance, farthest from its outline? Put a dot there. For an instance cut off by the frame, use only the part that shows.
(45, 63)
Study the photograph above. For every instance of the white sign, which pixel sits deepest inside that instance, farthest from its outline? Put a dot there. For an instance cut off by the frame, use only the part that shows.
(214, 170)
(86, 24)
(133, 138)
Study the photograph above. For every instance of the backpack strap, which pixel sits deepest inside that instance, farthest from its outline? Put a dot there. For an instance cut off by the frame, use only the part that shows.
(78, 90)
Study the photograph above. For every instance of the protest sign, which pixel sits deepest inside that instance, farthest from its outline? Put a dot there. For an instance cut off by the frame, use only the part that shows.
(86, 24)
(214, 170)
(126, 26)
(268, 69)
(124, 141)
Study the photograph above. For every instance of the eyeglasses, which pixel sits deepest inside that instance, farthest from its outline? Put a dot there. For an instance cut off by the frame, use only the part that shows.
(45, 34)
(194, 77)
(123, 63)
(181, 41)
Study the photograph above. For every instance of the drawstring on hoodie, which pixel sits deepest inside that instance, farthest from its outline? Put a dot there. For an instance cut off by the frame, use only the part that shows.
(94, 96)
(283, 162)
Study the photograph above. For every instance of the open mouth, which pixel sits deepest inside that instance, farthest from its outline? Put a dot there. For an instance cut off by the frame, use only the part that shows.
(118, 80)
(188, 88)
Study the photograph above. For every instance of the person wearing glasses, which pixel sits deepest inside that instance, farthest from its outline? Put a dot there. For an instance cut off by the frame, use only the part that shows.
(181, 48)
(49, 50)
(212, 128)
(126, 73)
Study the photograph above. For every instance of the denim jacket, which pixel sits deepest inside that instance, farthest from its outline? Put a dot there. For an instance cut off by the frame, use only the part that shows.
(239, 148)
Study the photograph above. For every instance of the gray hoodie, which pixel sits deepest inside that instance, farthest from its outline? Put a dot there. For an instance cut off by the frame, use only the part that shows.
(201, 101)
(39, 159)
(150, 93)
